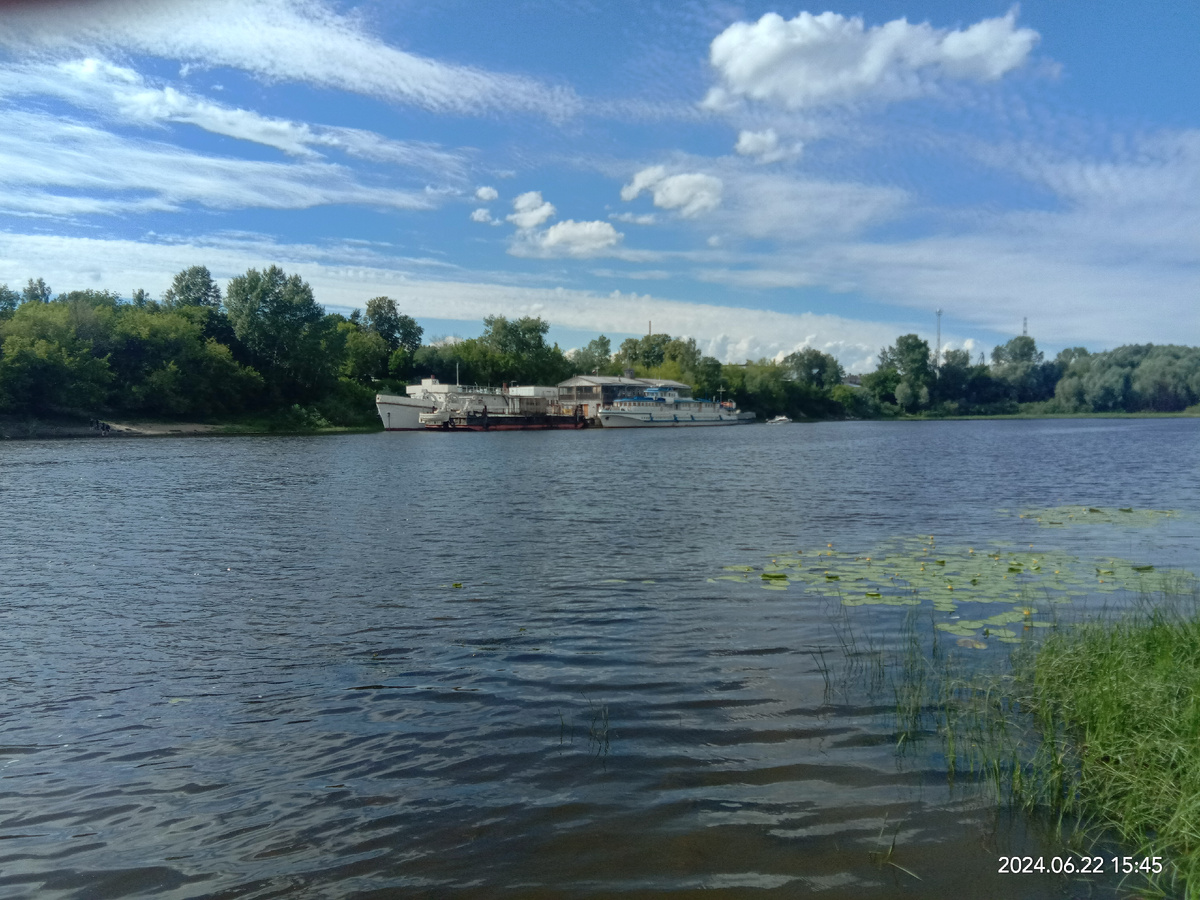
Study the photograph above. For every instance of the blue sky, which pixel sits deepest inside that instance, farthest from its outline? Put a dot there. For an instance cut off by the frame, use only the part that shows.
(758, 176)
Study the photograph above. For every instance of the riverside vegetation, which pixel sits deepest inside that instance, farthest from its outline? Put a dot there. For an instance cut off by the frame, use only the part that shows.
(266, 353)
(1090, 722)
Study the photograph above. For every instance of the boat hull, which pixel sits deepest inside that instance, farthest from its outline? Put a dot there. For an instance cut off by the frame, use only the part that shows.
(401, 413)
(618, 419)
(477, 422)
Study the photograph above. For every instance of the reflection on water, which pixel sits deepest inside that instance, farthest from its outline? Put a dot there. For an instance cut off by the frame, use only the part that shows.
(242, 668)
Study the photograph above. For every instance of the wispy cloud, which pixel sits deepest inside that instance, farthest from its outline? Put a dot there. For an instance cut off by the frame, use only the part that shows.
(278, 40)
(121, 94)
(52, 165)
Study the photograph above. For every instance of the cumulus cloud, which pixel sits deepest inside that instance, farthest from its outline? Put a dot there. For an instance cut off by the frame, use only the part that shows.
(811, 61)
(482, 216)
(487, 194)
(690, 193)
(579, 238)
(121, 94)
(530, 210)
(765, 146)
(277, 40)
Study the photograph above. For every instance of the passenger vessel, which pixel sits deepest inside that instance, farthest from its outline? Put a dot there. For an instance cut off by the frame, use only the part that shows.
(663, 407)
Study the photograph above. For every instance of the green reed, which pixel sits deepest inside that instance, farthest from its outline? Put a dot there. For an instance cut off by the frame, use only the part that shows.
(1094, 728)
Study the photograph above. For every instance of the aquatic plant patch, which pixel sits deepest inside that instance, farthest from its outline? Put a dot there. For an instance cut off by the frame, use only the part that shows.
(960, 582)
(1064, 516)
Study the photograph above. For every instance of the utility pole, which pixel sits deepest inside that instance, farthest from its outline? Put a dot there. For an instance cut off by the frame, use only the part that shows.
(937, 357)
(1025, 326)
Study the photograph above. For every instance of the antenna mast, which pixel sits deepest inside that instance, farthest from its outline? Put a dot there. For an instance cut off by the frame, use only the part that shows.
(937, 358)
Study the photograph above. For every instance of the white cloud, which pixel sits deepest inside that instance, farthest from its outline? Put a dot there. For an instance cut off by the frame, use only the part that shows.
(789, 209)
(121, 94)
(635, 218)
(691, 193)
(482, 216)
(646, 178)
(812, 60)
(487, 194)
(530, 210)
(765, 146)
(51, 165)
(573, 238)
(277, 40)
(635, 274)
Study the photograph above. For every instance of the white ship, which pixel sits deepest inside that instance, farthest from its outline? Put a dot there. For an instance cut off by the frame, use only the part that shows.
(404, 413)
(669, 407)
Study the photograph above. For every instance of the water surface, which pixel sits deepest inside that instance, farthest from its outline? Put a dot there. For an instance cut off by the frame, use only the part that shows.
(240, 667)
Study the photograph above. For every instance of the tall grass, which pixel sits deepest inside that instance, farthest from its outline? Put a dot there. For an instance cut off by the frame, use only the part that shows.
(1116, 711)
(1093, 730)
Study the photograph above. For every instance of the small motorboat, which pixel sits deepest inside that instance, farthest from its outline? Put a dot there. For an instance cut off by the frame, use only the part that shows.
(779, 420)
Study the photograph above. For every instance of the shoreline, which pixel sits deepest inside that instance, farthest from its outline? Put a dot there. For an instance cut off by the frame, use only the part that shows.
(61, 427)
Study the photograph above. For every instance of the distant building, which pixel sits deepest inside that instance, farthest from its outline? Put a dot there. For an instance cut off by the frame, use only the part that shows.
(855, 381)
(596, 391)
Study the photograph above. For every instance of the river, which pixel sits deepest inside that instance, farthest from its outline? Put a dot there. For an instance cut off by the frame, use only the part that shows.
(516, 665)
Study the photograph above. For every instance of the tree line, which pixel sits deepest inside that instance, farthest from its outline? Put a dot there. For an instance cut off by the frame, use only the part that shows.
(1132, 378)
(265, 347)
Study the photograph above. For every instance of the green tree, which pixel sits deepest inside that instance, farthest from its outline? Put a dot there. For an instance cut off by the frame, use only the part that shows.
(811, 366)
(882, 383)
(649, 351)
(683, 352)
(8, 301)
(1020, 365)
(396, 329)
(367, 355)
(165, 365)
(277, 319)
(45, 365)
(905, 374)
(952, 377)
(36, 292)
(596, 357)
(910, 357)
(193, 287)
(141, 298)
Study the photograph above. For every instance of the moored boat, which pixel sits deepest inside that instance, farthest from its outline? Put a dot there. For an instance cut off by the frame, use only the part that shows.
(511, 413)
(779, 420)
(403, 413)
(670, 408)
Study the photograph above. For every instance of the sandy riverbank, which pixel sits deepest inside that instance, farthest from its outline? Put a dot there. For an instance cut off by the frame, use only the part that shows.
(53, 427)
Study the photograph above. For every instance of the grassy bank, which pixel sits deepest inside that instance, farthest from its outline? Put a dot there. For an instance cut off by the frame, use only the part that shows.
(1117, 713)
(1093, 729)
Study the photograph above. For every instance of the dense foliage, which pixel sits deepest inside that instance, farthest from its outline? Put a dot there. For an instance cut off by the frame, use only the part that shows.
(1134, 378)
(268, 348)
